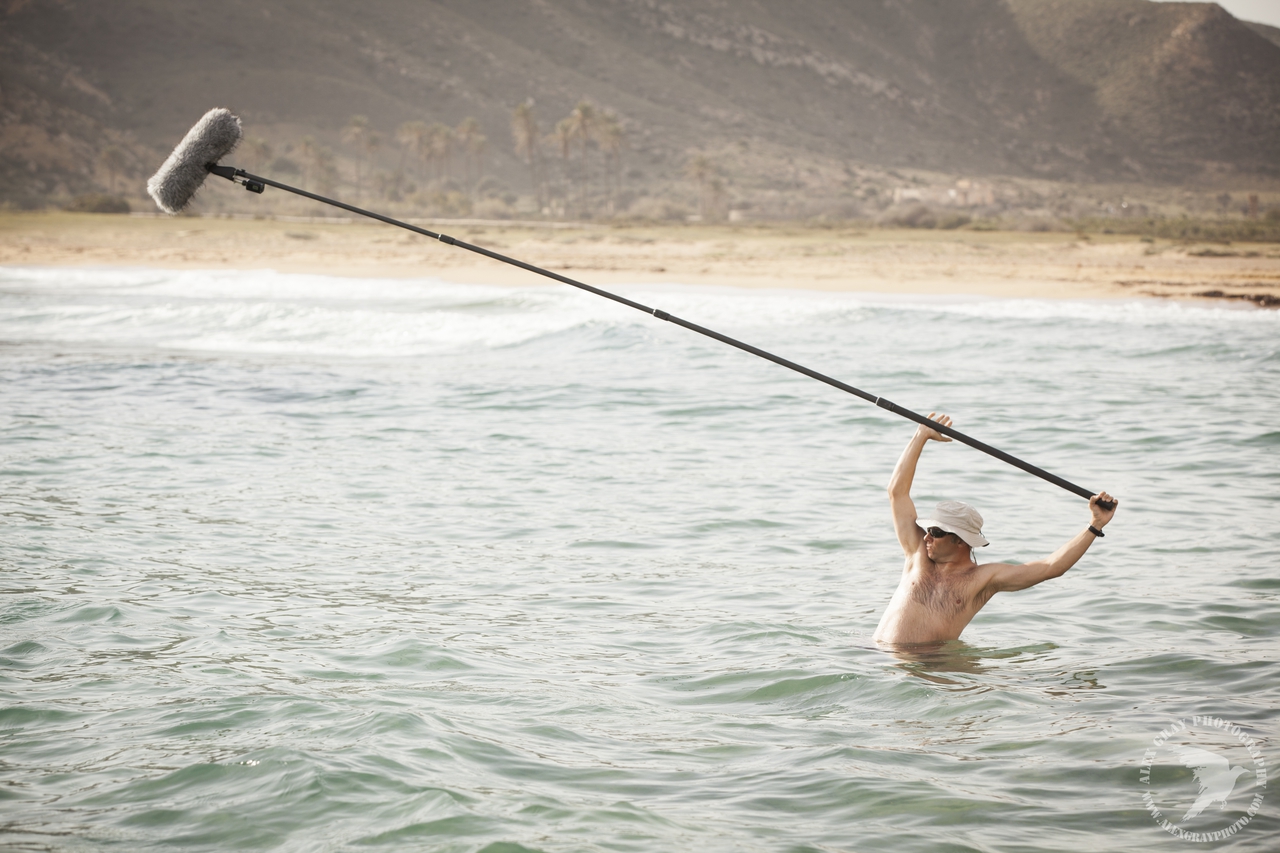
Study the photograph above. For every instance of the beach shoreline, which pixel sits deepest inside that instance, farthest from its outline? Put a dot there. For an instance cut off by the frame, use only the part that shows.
(1049, 265)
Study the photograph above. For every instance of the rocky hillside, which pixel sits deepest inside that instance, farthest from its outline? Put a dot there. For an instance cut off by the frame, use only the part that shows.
(1271, 34)
(790, 102)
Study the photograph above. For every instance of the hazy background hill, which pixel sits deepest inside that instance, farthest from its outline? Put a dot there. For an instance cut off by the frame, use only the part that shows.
(767, 107)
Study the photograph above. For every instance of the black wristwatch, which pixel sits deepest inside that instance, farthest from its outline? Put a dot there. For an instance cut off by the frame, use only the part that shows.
(1096, 532)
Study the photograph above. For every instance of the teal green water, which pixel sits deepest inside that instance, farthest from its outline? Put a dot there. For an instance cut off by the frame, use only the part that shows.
(302, 563)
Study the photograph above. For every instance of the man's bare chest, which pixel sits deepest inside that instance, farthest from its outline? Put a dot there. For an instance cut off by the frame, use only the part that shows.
(946, 595)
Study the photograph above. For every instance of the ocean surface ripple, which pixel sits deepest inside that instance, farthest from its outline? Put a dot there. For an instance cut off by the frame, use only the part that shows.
(304, 563)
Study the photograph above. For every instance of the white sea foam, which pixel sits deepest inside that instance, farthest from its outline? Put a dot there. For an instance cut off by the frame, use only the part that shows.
(266, 311)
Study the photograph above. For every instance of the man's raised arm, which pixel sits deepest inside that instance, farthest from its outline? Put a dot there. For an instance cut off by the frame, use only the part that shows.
(1008, 578)
(900, 504)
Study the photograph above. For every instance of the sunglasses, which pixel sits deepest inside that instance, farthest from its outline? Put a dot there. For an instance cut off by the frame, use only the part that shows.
(938, 532)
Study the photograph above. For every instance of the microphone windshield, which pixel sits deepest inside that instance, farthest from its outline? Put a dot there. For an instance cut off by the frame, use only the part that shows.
(209, 141)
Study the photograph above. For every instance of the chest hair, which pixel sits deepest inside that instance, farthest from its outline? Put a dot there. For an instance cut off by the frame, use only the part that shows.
(940, 593)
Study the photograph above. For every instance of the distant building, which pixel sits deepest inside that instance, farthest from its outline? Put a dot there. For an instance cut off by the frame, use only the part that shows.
(973, 194)
(965, 193)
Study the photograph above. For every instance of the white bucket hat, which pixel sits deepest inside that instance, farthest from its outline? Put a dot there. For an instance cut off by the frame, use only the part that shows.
(959, 518)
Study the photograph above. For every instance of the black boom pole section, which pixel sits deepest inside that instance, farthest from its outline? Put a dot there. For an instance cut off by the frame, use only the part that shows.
(256, 183)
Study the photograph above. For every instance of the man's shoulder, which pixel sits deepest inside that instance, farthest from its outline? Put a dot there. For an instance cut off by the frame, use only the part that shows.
(987, 574)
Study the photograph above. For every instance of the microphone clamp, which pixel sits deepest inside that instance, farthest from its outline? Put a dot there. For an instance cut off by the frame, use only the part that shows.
(236, 176)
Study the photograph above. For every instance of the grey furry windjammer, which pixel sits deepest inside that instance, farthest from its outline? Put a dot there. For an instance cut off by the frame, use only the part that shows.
(177, 180)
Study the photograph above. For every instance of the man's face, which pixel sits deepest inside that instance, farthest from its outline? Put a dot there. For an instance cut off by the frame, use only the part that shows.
(944, 547)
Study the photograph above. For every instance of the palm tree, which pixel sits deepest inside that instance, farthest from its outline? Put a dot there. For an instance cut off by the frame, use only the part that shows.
(415, 137)
(326, 170)
(319, 169)
(113, 159)
(582, 127)
(610, 136)
(441, 136)
(390, 185)
(716, 197)
(524, 128)
(372, 145)
(309, 150)
(702, 171)
(356, 133)
(472, 144)
(562, 136)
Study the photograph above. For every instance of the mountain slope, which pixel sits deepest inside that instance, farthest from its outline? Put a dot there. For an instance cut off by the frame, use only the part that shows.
(1187, 78)
(1083, 90)
(1271, 34)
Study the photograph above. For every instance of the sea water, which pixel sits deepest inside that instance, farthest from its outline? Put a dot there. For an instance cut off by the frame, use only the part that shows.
(307, 563)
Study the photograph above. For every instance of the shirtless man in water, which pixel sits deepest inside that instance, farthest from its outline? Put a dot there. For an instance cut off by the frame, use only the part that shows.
(942, 588)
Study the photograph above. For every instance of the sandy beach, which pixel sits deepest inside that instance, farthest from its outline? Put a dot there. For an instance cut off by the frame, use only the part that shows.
(917, 261)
